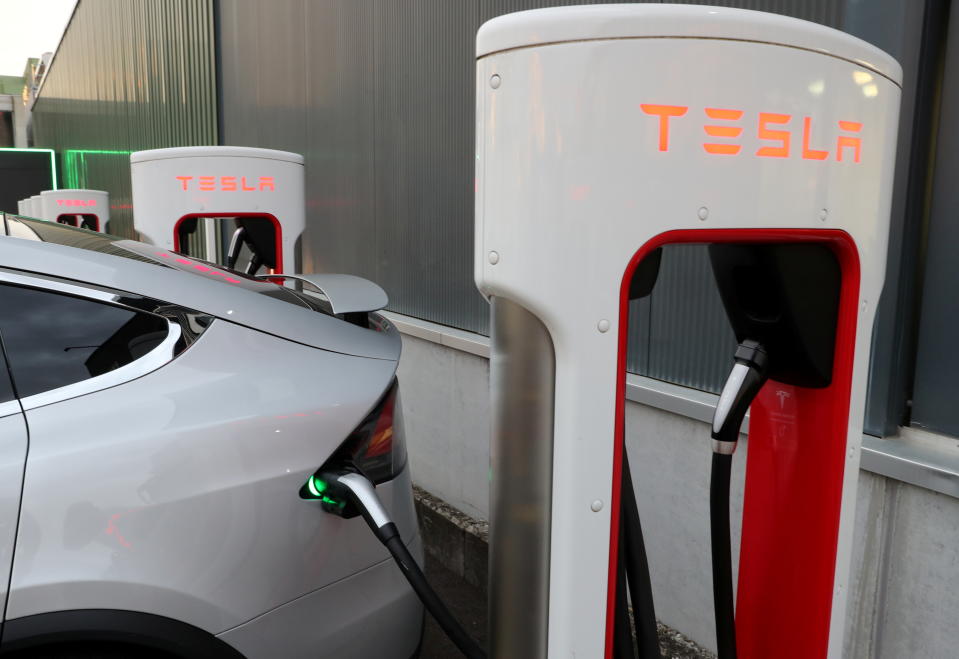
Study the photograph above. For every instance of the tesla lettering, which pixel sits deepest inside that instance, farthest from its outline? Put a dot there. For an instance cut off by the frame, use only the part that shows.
(773, 129)
(227, 183)
(76, 202)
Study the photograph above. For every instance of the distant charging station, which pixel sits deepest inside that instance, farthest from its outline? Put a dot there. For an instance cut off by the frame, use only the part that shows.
(202, 201)
(603, 134)
(87, 209)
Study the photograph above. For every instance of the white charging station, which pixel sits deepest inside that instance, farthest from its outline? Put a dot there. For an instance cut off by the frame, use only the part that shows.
(180, 190)
(22, 207)
(603, 133)
(88, 209)
(35, 206)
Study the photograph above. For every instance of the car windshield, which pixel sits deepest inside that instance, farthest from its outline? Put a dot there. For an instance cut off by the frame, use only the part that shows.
(60, 234)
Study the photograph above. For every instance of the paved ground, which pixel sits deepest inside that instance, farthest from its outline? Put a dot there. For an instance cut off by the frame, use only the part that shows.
(468, 604)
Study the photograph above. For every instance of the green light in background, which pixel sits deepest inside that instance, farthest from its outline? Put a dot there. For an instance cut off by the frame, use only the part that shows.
(53, 161)
(75, 164)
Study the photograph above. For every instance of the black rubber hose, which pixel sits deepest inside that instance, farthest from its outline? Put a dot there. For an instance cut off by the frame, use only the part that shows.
(431, 600)
(637, 569)
(622, 630)
(722, 556)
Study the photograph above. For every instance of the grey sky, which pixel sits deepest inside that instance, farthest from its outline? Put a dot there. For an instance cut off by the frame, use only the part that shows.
(29, 28)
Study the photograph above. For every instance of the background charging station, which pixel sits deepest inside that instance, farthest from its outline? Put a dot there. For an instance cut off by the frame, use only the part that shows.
(604, 133)
(87, 209)
(35, 206)
(180, 193)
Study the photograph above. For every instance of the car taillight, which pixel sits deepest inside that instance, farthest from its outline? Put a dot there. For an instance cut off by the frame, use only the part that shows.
(376, 448)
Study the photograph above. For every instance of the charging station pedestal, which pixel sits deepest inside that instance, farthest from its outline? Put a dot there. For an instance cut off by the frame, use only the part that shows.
(178, 194)
(604, 133)
(34, 206)
(87, 209)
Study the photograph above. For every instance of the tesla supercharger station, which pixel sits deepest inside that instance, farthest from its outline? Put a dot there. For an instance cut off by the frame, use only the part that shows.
(604, 133)
(87, 209)
(35, 206)
(180, 193)
(22, 207)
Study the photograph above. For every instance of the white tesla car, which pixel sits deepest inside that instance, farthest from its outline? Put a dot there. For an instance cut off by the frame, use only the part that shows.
(159, 417)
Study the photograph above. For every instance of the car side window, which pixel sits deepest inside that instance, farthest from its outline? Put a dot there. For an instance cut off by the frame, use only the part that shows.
(53, 340)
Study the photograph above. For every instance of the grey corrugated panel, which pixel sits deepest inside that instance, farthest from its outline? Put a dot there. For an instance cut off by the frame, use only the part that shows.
(690, 340)
(935, 403)
(637, 355)
(383, 111)
(128, 75)
(342, 229)
(424, 72)
(897, 27)
(386, 124)
(825, 12)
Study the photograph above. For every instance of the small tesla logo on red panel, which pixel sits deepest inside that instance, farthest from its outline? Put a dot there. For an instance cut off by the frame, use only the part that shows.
(782, 395)
(775, 130)
(227, 183)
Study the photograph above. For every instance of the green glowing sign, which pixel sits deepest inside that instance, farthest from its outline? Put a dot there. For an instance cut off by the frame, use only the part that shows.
(75, 165)
(53, 162)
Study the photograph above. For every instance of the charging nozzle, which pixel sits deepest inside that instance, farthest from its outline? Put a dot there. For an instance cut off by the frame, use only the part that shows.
(346, 493)
(742, 385)
(343, 492)
(744, 382)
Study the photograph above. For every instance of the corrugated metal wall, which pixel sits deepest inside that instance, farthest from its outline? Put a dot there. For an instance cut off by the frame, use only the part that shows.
(936, 387)
(128, 75)
(379, 98)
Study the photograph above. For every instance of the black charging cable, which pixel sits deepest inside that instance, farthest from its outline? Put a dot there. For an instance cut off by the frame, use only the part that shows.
(358, 491)
(744, 382)
(637, 569)
(622, 625)
(350, 489)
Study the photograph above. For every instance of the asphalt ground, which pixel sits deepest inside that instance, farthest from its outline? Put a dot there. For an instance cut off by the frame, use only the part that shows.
(466, 602)
(468, 605)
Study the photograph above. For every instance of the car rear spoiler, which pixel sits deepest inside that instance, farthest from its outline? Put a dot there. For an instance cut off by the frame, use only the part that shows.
(346, 293)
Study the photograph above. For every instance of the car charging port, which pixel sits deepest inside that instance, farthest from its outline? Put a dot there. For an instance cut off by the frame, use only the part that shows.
(331, 498)
(344, 491)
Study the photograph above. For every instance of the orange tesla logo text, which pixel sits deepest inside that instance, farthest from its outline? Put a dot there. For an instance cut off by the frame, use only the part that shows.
(777, 130)
(226, 183)
(76, 202)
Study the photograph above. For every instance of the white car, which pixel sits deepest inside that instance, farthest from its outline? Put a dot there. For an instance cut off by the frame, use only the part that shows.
(159, 418)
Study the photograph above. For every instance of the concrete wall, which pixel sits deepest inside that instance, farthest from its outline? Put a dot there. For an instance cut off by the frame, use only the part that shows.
(904, 599)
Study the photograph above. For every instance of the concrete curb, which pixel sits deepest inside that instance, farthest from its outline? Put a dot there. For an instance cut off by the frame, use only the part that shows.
(461, 544)
(458, 542)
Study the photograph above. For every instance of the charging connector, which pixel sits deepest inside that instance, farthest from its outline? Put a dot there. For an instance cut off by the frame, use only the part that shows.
(742, 385)
(745, 380)
(343, 492)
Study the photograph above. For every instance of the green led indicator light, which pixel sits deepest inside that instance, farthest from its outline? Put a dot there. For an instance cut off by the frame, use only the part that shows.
(316, 486)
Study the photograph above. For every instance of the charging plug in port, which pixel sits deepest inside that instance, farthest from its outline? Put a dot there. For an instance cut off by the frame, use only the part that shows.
(333, 501)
